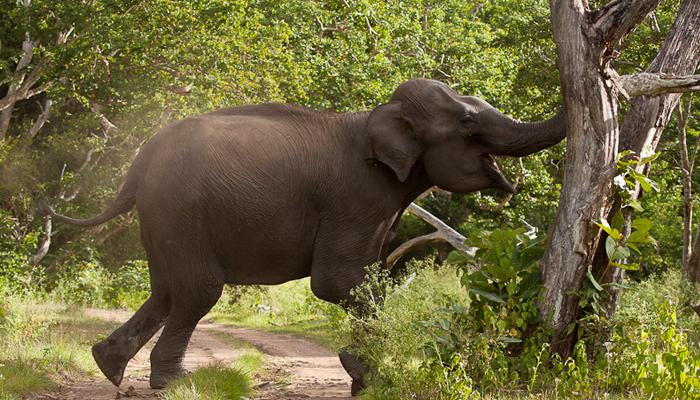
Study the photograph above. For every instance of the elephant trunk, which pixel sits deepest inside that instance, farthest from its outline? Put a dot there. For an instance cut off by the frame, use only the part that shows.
(510, 137)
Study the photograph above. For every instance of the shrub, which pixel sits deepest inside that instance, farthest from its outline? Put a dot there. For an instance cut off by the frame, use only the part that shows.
(396, 342)
(452, 332)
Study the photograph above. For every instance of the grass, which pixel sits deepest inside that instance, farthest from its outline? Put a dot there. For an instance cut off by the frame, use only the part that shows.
(215, 382)
(288, 308)
(42, 343)
(39, 342)
(218, 382)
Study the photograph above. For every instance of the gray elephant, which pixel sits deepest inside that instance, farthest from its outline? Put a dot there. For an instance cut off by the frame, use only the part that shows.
(268, 193)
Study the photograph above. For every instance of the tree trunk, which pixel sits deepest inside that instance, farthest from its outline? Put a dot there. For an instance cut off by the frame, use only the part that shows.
(687, 175)
(585, 45)
(645, 121)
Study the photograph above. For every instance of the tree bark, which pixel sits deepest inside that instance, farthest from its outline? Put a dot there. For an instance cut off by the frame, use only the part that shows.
(651, 84)
(586, 43)
(686, 171)
(644, 123)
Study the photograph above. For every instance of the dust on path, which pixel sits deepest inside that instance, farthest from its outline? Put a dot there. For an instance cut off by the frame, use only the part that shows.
(295, 368)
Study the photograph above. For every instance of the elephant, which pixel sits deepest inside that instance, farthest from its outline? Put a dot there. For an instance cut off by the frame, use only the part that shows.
(264, 194)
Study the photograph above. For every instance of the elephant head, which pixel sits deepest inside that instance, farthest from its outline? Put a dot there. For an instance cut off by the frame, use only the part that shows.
(453, 136)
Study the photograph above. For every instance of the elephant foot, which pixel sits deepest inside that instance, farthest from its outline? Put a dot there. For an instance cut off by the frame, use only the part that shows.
(111, 362)
(356, 387)
(357, 370)
(161, 377)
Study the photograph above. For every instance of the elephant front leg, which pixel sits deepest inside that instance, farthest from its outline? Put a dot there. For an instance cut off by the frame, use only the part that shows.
(336, 271)
(356, 367)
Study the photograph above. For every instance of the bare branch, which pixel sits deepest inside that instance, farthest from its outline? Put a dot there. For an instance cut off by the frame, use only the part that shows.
(44, 243)
(414, 243)
(24, 89)
(38, 124)
(444, 233)
(614, 21)
(106, 124)
(27, 52)
(650, 84)
(452, 236)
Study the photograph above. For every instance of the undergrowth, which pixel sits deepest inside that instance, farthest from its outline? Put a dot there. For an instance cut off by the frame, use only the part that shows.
(42, 343)
(471, 330)
(290, 307)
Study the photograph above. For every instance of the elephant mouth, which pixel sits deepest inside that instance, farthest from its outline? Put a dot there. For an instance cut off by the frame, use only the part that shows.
(499, 180)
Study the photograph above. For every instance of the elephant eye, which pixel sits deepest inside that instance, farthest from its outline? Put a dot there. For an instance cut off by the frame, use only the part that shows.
(467, 119)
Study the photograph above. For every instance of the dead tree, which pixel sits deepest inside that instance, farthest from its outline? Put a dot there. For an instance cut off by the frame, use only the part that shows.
(643, 125)
(587, 42)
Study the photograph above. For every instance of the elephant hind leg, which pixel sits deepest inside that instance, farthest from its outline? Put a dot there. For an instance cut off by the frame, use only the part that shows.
(188, 307)
(113, 353)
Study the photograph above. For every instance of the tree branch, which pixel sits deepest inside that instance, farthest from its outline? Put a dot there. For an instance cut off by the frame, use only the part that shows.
(107, 125)
(44, 243)
(444, 233)
(409, 245)
(25, 90)
(38, 124)
(614, 21)
(651, 84)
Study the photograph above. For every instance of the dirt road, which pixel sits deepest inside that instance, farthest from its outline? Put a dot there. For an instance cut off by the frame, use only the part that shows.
(295, 367)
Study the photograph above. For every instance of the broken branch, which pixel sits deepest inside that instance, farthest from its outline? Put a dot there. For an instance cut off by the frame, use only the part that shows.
(444, 233)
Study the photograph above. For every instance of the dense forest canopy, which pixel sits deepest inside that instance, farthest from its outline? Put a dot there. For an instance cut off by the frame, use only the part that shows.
(115, 72)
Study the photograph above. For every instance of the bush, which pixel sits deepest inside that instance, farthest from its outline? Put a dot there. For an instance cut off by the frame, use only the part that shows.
(437, 337)
(290, 307)
(89, 284)
(396, 341)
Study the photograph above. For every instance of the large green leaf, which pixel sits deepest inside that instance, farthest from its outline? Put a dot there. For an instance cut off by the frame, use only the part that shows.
(495, 297)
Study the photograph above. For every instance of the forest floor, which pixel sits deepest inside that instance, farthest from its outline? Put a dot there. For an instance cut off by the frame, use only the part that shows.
(294, 367)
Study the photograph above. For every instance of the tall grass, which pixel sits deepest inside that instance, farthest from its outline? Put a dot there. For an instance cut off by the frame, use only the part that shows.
(41, 341)
(289, 307)
(215, 382)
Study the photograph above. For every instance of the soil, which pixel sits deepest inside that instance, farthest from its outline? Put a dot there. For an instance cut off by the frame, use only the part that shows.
(295, 367)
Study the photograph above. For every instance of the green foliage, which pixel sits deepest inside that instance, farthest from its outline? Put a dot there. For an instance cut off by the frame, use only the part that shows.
(434, 337)
(90, 284)
(209, 383)
(396, 342)
(289, 307)
(40, 343)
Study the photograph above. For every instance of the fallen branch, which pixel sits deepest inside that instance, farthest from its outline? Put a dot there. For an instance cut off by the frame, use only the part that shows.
(444, 233)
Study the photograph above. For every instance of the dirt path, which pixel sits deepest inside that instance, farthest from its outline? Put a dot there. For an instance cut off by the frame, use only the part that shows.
(295, 367)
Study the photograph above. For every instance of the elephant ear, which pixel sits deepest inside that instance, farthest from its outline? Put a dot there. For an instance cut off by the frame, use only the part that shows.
(391, 139)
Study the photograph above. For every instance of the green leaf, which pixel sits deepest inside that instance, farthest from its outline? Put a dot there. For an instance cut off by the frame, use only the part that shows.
(627, 267)
(500, 272)
(634, 203)
(642, 224)
(495, 297)
(633, 247)
(610, 245)
(458, 258)
(612, 232)
(592, 279)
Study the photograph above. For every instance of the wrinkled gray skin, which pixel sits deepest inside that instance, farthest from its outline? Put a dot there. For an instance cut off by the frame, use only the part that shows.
(269, 193)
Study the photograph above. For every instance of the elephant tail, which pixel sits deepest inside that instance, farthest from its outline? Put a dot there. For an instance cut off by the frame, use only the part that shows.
(125, 200)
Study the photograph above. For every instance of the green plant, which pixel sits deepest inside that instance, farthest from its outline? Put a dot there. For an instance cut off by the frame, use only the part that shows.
(628, 179)
(210, 383)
